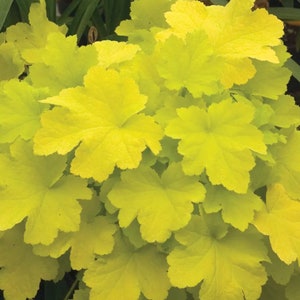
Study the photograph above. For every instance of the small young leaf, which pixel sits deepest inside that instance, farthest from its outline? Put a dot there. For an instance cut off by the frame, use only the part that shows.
(20, 110)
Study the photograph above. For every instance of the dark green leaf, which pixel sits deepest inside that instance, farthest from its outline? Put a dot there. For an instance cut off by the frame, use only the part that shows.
(67, 13)
(51, 10)
(24, 7)
(4, 9)
(83, 16)
(98, 22)
(288, 3)
(286, 13)
(115, 12)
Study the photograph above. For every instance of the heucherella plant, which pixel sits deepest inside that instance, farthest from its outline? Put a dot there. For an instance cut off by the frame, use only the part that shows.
(164, 167)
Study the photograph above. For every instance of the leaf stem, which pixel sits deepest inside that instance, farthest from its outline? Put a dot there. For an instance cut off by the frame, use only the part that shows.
(72, 288)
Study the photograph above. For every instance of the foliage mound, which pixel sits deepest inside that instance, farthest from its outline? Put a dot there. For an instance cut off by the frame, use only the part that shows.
(164, 167)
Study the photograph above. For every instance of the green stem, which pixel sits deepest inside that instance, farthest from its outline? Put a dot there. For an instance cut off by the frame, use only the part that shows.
(72, 288)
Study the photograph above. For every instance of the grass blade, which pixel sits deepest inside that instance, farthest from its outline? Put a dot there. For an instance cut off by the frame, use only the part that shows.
(294, 67)
(115, 12)
(51, 10)
(24, 7)
(83, 16)
(67, 13)
(4, 9)
(286, 13)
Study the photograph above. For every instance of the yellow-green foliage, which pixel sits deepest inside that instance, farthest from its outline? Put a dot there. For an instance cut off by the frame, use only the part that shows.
(164, 167)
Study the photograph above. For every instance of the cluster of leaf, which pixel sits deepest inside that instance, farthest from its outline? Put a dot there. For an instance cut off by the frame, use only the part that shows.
(165, 167)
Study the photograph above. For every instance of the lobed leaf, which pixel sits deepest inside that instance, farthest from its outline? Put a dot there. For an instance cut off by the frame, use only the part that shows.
(104, 118)
(62, 60)
(112, 52)
(161, 205)
(237, 209)
(98, 233)
(286, 170)
(10, 61)
(126, 273)
(34, 187)
(280, 221)
(220, 140)
(33, 35)
(181, 68)
(20, 265)
(228, 265)
(20, 110)
(229, 33)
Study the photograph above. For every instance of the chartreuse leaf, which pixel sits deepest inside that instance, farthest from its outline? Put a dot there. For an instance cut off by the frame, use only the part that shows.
(64, 266)
(81, 294)
(104, 118)
(127, 272)
(228, 28)
(34, 187)
(231, 73)
(184, 17)
(11, 63)
(181, 68)
(32, 36)
(280, 272)
(112, 52)
(261, 176)
(286, 112)
(269, 81)
(58, 247)
(237, 209)
(21, 270)
(141, 68)
(281, 222)
(19, 110)
(293, 288)
(273, 290)
(98, 230)
(220, 140)
(236, 39)
(161, 205)
(177, 294)
(98, 233)
(133, 233)
(229, 32)
(287, 170)
(62, 60)
(144, 15)
(227, 263)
